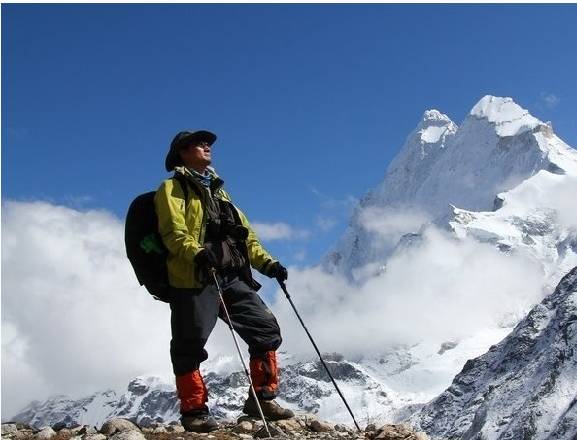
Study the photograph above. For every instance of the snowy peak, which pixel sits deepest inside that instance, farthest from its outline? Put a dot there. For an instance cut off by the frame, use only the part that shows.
(435, 118)
(434, 127)
(91, 410)
(141, 385)
(508, 117)
(498, 146)
(423, 146)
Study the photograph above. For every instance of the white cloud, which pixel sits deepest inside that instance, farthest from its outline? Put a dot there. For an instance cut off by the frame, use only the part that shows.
(550, 99)
(440, 289)
(278, 231)
(388, 224)
(74, 320)
(561, 197)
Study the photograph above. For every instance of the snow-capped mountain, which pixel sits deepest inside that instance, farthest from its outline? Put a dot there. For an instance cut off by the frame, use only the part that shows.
(146, 400)
(305, 387)
(472, 167)
(529, 221)
(92, 410)
(525, 387)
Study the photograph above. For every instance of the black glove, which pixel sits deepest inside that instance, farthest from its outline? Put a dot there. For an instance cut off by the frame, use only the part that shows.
(205, 260)
(278, 271)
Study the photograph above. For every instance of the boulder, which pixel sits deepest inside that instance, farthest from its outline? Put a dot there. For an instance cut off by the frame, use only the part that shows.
(307, 419)
(342, 428)
(290, 425)
(8, 428)
(318, 426)
(117, 425)
(22, 434)
(397, 432)
(177, 429)
(86, 429)
(45, 434)
(128, 435)
(371, 427)
(95, 436)
(244, 427)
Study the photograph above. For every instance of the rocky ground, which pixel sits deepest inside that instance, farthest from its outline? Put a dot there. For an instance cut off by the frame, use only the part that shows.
(245, 428)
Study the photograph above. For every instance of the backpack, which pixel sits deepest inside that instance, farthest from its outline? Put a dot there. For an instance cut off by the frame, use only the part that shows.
(144, 247)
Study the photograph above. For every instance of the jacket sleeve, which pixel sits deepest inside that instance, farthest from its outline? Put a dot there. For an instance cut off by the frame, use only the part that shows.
(169, 203)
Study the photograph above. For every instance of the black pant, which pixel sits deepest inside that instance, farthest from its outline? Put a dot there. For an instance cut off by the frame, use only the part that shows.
(194, 313)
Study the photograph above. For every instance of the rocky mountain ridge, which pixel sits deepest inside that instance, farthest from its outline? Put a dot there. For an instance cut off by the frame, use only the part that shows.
(525, 387)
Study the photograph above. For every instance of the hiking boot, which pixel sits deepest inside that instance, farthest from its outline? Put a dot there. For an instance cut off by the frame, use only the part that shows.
(198, 421)
(270, 409)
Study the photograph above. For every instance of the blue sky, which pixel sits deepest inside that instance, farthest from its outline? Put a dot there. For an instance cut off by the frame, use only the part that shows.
(310, 102)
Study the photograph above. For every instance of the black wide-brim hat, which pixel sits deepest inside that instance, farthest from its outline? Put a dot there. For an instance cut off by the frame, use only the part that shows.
(184, 139)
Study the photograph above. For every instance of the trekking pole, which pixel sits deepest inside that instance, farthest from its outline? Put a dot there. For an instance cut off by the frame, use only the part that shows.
(229, 322)
(283, 286)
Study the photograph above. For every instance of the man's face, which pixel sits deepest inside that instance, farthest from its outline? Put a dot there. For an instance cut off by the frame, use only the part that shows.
(197, 156)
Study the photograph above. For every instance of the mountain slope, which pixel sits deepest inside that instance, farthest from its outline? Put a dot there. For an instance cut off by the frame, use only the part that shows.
(525, 387)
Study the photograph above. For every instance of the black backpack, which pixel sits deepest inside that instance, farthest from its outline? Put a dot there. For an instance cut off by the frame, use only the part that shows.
(144, 246)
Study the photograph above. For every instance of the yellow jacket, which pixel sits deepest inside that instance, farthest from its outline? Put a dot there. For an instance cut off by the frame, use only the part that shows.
(183, 228)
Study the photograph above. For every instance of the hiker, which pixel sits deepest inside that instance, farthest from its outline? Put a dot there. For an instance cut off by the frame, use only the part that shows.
(212, 233)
